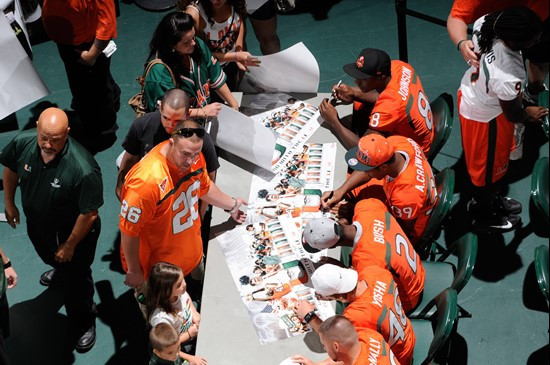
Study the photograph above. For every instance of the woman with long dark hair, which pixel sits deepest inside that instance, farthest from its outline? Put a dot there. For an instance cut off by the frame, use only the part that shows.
(490, 104)
(195, 70)
(221, 24)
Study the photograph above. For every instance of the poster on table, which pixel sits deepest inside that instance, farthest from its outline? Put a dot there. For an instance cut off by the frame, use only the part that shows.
(293, 125)
(293, 70)
(295, 191)
(272, 273)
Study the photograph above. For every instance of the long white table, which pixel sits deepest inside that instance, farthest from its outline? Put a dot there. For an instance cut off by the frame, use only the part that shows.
(226, 335)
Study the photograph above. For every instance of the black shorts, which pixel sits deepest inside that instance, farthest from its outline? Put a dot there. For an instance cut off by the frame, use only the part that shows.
(540, 53)
(265, 12)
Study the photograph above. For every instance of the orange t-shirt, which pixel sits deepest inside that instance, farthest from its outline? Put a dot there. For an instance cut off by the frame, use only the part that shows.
(374, 350)
(73, 22)
(379, 308)
(403, 108)
(412, 194)
(161, 207)
(471, 10)
(380, 241)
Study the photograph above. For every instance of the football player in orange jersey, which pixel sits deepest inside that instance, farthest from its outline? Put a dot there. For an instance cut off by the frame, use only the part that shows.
(158, 215)
(401, 106)
(374, 303)
(399, 165)
(345, 345)
(376, 239)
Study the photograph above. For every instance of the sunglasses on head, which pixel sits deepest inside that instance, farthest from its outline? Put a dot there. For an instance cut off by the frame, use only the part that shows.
(188, 132)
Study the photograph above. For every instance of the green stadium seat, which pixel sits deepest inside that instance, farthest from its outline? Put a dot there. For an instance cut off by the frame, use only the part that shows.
(442, 274)
(539, 186)
(541, 268)
(433, 343)
(445, 182)
(442, 112)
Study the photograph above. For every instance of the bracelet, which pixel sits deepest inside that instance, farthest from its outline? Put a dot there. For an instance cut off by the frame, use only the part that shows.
(309, 316)
(459, 43)
(7, 265)
(233, 209)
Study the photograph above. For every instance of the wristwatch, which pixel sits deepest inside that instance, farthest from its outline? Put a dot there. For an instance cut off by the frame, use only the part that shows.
(308, 317)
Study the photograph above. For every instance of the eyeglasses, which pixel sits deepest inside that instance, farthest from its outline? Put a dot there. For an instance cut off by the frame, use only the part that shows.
(188, 132)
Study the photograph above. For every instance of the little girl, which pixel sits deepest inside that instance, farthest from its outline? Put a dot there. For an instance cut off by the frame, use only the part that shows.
(168, 302)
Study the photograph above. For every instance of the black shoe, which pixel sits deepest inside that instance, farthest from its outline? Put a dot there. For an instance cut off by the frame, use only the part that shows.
(86, 341)
(508, 205)
(49, 278)
(497, 223)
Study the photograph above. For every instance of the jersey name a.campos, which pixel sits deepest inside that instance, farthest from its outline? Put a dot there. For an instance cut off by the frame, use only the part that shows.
(380, 241)
(379, 308)
(160, 205)
(499, 76)
(403, 108)
(374, 350)
(412, 194)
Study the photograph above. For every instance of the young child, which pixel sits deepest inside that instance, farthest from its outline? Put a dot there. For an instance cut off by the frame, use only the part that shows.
(166, 346)
(168, 302)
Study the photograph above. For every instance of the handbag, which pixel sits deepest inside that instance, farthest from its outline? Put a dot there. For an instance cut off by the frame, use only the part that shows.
(138, 102)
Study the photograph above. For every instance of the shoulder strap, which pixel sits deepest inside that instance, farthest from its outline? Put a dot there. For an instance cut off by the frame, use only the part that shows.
(155, 62)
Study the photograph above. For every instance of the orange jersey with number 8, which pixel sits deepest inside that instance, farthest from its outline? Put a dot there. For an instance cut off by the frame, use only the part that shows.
(403, 108)
(379, 308)
(160, 205)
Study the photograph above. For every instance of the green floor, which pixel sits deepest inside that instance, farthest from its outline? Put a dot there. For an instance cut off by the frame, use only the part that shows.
(509, 323)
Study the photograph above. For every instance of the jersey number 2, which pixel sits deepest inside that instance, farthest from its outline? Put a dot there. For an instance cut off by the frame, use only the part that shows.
(188, 200)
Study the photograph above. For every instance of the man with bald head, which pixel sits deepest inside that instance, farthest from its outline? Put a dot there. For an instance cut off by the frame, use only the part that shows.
(345, 345)
(61, 192)
(152, 128)
(159, 206)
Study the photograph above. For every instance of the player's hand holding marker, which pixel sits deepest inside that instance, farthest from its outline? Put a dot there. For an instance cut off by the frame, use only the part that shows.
(329, 199)
(343, 93)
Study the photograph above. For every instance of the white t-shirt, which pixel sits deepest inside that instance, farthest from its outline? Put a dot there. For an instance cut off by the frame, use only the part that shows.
(182, 321)
(500, 76)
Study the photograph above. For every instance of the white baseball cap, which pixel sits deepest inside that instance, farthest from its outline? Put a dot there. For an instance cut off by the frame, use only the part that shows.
(320, 233)
(331, 279)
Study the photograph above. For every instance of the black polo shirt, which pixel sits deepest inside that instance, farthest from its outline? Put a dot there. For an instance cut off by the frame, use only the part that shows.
(54, 194)
(147, 131)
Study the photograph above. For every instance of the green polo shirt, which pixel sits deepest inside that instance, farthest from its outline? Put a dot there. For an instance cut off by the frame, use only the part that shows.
(54, 194)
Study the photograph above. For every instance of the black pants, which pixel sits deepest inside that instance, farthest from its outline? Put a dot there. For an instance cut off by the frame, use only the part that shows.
(75, 276)
(96, 96)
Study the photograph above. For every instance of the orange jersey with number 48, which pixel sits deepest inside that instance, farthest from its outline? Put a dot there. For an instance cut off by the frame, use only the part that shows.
(379, 308)
(160, 206)
(403, 108)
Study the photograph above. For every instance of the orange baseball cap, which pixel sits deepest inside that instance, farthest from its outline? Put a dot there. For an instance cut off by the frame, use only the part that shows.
(372, 151)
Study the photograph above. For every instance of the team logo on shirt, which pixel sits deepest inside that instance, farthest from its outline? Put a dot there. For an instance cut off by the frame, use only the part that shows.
(163, 183)
(55, 183)
(27, 168)
(360, 61)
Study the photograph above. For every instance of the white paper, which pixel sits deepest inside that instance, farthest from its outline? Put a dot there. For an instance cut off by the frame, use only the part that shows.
(243, 137)
(293, 70)
(272, 272)
(253, 5)
(293, 124)
(20, 84)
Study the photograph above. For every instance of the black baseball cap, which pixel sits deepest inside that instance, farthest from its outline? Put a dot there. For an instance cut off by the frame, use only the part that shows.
(370, 63)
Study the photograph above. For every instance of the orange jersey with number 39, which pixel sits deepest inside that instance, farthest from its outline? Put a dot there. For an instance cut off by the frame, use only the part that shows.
(160, 205)
(403, 108)
(379, 308)
(380, 241)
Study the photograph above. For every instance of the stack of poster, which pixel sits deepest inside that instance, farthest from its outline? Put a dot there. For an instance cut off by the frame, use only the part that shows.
(272, 273)
(266, 259)
(293, 125)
